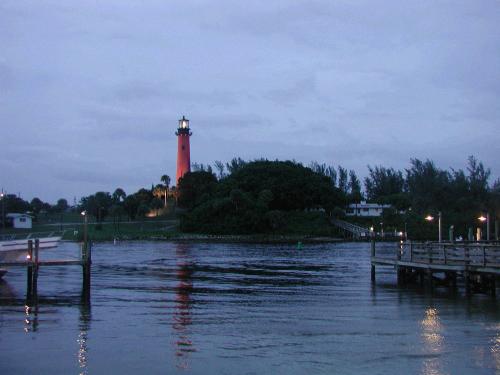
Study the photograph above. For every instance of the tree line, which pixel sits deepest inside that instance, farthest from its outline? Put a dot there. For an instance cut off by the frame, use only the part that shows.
(118, 204)
(15, 204)
(246, 196)
(422, 188)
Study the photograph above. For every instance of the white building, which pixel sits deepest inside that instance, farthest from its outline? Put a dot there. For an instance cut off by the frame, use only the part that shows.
(23, 221)
(366, 209)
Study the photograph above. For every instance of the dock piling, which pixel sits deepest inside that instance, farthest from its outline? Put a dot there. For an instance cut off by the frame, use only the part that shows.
(29, 270)
(373, 256)
(36, 262)
(86, 264)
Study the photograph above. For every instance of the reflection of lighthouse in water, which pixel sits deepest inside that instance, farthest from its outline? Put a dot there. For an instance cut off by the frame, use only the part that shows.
(182, 312)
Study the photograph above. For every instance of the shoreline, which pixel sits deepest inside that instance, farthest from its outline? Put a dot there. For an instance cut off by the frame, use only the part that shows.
(209, 238)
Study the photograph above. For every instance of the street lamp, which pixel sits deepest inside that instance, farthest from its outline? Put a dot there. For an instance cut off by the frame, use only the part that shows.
(431, 218)
(85, 221)
(487, 219)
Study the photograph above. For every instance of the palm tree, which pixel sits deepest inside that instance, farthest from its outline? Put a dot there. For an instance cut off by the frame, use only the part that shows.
(166, 181)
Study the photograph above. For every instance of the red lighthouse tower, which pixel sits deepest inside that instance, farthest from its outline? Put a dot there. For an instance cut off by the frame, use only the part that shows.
(183, 154)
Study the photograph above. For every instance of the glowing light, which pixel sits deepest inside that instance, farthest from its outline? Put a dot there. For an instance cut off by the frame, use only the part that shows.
(429, 218)
(83, 213)
(482, 218)
(28, 257)
(371, 228)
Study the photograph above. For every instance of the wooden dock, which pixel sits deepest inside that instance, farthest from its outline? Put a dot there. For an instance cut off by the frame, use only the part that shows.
(33, 263)
(477, 263)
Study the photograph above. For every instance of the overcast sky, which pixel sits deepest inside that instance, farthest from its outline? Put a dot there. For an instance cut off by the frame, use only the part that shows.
(91, 91)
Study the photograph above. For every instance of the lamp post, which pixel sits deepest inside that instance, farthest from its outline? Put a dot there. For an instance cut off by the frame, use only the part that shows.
(431, 218)
(487, 219)
(85, 221)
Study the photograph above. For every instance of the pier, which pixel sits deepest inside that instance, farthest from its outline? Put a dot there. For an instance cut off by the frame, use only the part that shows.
(440, 263)
(33, 263)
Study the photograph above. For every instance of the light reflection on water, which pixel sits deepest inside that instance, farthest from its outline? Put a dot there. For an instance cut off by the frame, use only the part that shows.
(182, 315)
(227, 308)
(433, 342)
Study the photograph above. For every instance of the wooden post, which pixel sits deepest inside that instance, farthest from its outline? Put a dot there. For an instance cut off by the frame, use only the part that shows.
(35, 268)
(493, 285)
(86, 263)
(29, 270)
(454, 280)
(411, 252)
(429, 279)
(372, 258)
(467, 283)
(401, 273)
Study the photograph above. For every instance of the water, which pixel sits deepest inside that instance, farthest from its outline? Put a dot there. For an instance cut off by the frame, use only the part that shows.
(162, 308)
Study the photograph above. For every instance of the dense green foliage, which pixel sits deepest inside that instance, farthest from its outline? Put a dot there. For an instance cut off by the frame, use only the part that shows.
(256, 197)
(285, 197)
(460, 196)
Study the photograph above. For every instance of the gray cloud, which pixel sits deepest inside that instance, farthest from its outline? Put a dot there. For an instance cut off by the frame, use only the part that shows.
(90, 94)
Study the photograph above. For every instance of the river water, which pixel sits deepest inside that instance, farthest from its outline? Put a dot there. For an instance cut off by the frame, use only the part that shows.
(168, 308)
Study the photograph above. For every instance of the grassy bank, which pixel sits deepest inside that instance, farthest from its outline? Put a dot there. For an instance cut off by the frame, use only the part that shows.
(297, 227)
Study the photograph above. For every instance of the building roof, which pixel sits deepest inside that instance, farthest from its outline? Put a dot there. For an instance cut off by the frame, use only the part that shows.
(16, 216)
(363, 204)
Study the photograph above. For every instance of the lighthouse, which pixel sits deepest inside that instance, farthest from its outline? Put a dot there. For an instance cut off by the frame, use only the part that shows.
(183, 154)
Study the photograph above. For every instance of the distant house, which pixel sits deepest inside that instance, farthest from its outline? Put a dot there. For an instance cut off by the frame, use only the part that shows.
(366, 209)
(23, 221)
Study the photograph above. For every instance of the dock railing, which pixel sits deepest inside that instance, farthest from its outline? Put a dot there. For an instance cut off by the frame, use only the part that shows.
(479, 254)
(478, 263)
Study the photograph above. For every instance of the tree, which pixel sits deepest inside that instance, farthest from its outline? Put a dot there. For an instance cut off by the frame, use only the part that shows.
(143, 210)
(13, 203)
(343, 180)
(62, 205)
(275, 219)
(144, 196)
(116, 211)
(382, 183)
(219, 167)
(240, 202)
(119, 195)
(355, 194)
(194, 187)
(166, 182)
(97, 205)
(325, 170)
(478, 179)
(131, 204)
(156, 204)
(235, 164)
(36, 205)
(428, 186)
